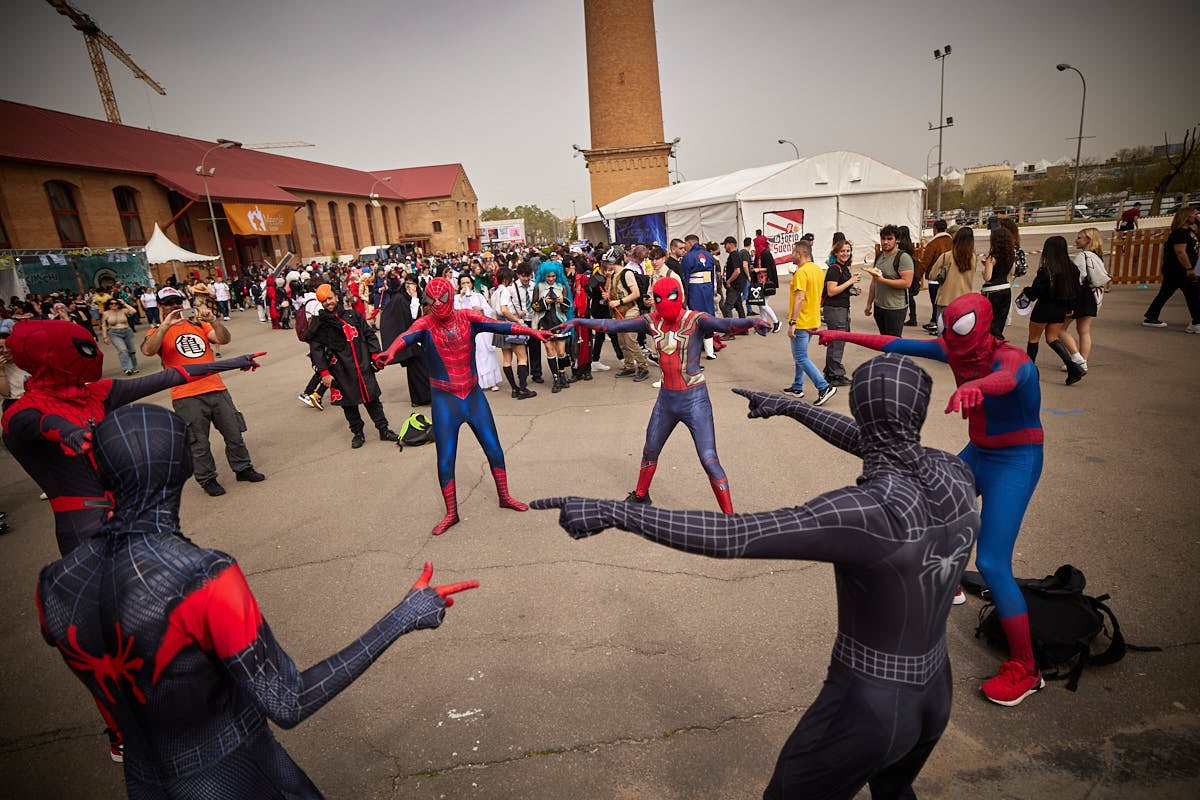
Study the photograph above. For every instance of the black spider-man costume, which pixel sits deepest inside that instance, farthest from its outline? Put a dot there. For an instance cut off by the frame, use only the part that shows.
(48, 430)
(678, 336)
(169, 639)
(447, 337)
(898, 541)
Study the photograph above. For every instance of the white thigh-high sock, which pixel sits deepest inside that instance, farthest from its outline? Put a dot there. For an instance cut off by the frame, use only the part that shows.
(769, 313)
(708, 348)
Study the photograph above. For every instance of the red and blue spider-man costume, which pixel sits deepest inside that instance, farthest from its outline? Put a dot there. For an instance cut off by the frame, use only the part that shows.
(447, 337)
(49, 428)
(999, 395)
(170, 641)
(679, 337)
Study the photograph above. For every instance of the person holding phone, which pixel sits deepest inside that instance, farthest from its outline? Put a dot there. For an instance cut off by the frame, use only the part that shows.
(190, 336)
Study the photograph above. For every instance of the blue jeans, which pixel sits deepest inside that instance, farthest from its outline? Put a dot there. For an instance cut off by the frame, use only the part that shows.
(122, 339)
(804, 365)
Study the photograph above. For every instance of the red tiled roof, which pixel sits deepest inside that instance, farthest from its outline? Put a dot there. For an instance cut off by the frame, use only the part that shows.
(417, 183)
(43, 136)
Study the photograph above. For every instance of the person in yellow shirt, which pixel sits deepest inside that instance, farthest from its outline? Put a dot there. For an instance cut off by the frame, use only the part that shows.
(804, 317)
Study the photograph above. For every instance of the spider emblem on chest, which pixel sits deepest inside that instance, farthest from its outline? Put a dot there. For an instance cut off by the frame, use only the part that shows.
(668, 342)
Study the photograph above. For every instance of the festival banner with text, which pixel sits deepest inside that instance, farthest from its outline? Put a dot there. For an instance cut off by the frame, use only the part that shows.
(783, 229)
(259, 219)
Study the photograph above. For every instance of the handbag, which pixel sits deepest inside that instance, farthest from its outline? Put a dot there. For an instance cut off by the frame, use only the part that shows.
(1097, 275)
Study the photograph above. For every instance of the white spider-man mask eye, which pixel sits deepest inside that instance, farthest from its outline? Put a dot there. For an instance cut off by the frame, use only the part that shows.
(964, 324)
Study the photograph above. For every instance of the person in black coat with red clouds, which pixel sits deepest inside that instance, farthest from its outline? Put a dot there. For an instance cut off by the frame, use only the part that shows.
(341, 345)
(402, 309)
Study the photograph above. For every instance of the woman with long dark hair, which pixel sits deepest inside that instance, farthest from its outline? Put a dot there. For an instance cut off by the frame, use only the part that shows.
(402, 309)
(997, 266)
(1054, 291)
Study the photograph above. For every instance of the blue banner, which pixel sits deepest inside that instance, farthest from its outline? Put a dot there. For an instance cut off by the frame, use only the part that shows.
(644, 229)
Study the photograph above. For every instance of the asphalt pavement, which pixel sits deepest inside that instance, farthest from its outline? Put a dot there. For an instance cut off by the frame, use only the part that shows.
(615, 668)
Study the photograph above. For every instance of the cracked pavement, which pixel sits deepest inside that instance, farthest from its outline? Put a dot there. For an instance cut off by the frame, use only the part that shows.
(614, 668)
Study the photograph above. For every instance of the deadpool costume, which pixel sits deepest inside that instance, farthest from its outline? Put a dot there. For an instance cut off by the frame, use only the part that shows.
(678, 336)
(48, 431)
(170, 641)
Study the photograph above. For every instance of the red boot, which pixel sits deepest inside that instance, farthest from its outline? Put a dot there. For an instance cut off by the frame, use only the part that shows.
(721, 490)
(448, 494)
(506, 500)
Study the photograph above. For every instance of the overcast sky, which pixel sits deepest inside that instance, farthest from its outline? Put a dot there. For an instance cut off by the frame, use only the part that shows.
(502, 87)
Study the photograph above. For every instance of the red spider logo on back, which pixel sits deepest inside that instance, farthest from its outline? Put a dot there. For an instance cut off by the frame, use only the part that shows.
(104, 667)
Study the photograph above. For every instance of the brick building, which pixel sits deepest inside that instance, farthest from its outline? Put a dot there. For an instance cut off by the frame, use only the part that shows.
(74, 186)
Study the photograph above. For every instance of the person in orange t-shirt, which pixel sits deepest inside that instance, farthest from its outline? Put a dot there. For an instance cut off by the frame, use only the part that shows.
(206, 402)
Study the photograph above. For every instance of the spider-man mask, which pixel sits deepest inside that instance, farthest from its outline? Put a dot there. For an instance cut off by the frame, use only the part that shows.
(56, 353)
(668, 299)
(970, 345)
(441, 292)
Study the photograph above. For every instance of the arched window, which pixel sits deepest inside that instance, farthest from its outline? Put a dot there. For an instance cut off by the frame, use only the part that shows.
(311, 207)
(66, 215)
(353, 210)
(387, 230)
(371, 224)
(437, 227)
(337, 237)
(127, 209)
(399, 224)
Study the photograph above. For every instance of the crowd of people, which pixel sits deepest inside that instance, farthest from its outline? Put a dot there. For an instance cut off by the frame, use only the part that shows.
(461, 326)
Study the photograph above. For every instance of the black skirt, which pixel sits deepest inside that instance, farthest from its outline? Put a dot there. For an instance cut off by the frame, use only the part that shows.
(1048, 311)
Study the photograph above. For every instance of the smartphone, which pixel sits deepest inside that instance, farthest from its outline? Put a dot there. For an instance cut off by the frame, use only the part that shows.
(188, 313)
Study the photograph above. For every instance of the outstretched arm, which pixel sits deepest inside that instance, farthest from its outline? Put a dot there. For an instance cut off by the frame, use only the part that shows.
(123, 392)
(837, 527)
(711, 324)
(931, 348)
(837, 429)
(407, 339)
(223, 617)
(481, 323)
(632, 325)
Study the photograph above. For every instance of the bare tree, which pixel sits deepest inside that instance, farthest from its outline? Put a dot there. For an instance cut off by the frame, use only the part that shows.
(1175, 166)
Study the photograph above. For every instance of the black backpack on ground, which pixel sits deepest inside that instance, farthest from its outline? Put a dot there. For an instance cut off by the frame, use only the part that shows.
(1063, 624)
(417, 430)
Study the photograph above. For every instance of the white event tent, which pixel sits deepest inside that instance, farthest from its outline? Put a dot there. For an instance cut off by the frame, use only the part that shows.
(836, 191)
(160, 250)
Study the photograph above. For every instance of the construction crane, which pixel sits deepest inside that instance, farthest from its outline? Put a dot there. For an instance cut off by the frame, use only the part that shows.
(93, 37)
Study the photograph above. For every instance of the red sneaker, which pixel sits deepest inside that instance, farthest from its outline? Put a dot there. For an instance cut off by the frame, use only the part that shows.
(116, 747)
(1012, 684)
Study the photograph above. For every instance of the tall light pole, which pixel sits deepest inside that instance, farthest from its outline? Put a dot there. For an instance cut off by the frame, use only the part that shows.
(943, 121)
(371, 194)
(793, 144)
(1079, 143)
(675, 155)
(222, 144)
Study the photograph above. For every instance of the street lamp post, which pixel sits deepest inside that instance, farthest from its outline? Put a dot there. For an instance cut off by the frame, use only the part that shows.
(371, 194)
(1079, 142)
(943, 121)
(675, 155)
(793, 144)
(222, 144)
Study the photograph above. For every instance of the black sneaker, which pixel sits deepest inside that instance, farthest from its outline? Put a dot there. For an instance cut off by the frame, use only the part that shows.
(251, 475)
(388, 435)
(824, 394)
(797, 393)
(358, 441)
(536, 378)
(626, 373)
(839, 381)
(4, 528)
(213, 488)
(641, 376)
(525, 394)
(516, 394)
(634, 497)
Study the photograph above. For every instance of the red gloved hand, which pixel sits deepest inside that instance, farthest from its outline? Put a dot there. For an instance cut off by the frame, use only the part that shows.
(964, 398)
(543, 336)
(381, 360)
(825, 336)
(253, 365)
(444, 592)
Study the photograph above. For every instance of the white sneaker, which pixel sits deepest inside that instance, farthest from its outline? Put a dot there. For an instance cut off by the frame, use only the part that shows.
(657, 384)
(306, 400)
(227, 319)
(959, 598)
(600, 365)
(1193, 328)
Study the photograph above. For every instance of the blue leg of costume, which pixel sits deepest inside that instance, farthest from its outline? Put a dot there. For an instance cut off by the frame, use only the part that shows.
(663, 420)
(479, 417)
(1005, 478)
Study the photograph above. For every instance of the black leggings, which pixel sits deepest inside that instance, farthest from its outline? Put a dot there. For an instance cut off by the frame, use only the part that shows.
(862, 730)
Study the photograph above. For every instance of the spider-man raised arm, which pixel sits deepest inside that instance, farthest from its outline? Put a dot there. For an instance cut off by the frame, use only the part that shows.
(837, 429)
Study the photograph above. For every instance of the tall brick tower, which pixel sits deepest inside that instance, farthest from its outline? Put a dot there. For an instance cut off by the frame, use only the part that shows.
(628, 152)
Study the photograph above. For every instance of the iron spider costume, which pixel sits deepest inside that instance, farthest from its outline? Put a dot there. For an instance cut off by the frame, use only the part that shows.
(898, 540)
(170, 641)
(999, 395)
(48, 430)
(447, 337)
(679, 337)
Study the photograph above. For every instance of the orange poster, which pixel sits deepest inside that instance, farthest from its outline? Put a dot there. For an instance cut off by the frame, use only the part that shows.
(259, 219)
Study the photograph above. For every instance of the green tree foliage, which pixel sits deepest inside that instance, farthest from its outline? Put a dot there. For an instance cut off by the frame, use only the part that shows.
(990, 191)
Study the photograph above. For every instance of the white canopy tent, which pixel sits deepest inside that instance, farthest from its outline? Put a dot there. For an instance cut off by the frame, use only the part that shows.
(820, 194)
(160, 250)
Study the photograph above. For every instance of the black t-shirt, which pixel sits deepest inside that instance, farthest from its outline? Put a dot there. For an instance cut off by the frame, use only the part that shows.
(734, 269)
(838, 274)
(1184, 236)
(676, 269)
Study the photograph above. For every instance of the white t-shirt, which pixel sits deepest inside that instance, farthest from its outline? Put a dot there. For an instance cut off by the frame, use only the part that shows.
(220, 291)
(149, 300)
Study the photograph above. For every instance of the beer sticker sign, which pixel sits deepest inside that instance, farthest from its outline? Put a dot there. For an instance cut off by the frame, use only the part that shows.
(783, 229)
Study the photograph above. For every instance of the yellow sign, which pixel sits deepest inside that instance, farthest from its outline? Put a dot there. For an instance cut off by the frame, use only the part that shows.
(259, 219)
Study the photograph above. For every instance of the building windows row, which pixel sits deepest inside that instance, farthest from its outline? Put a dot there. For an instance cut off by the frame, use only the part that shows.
(65, 211)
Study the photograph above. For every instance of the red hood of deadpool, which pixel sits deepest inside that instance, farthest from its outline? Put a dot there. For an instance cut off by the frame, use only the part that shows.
(57, 354)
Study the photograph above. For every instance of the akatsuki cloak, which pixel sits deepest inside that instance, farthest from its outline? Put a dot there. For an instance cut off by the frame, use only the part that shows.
(898, 540)
(47, 430)
(343, 344)
(170, 640)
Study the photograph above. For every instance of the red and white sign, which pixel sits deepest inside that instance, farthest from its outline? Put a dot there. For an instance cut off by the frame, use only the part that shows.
(783, 229)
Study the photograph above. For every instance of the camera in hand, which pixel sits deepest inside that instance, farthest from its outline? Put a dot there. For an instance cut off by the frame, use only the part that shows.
(188, 313)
